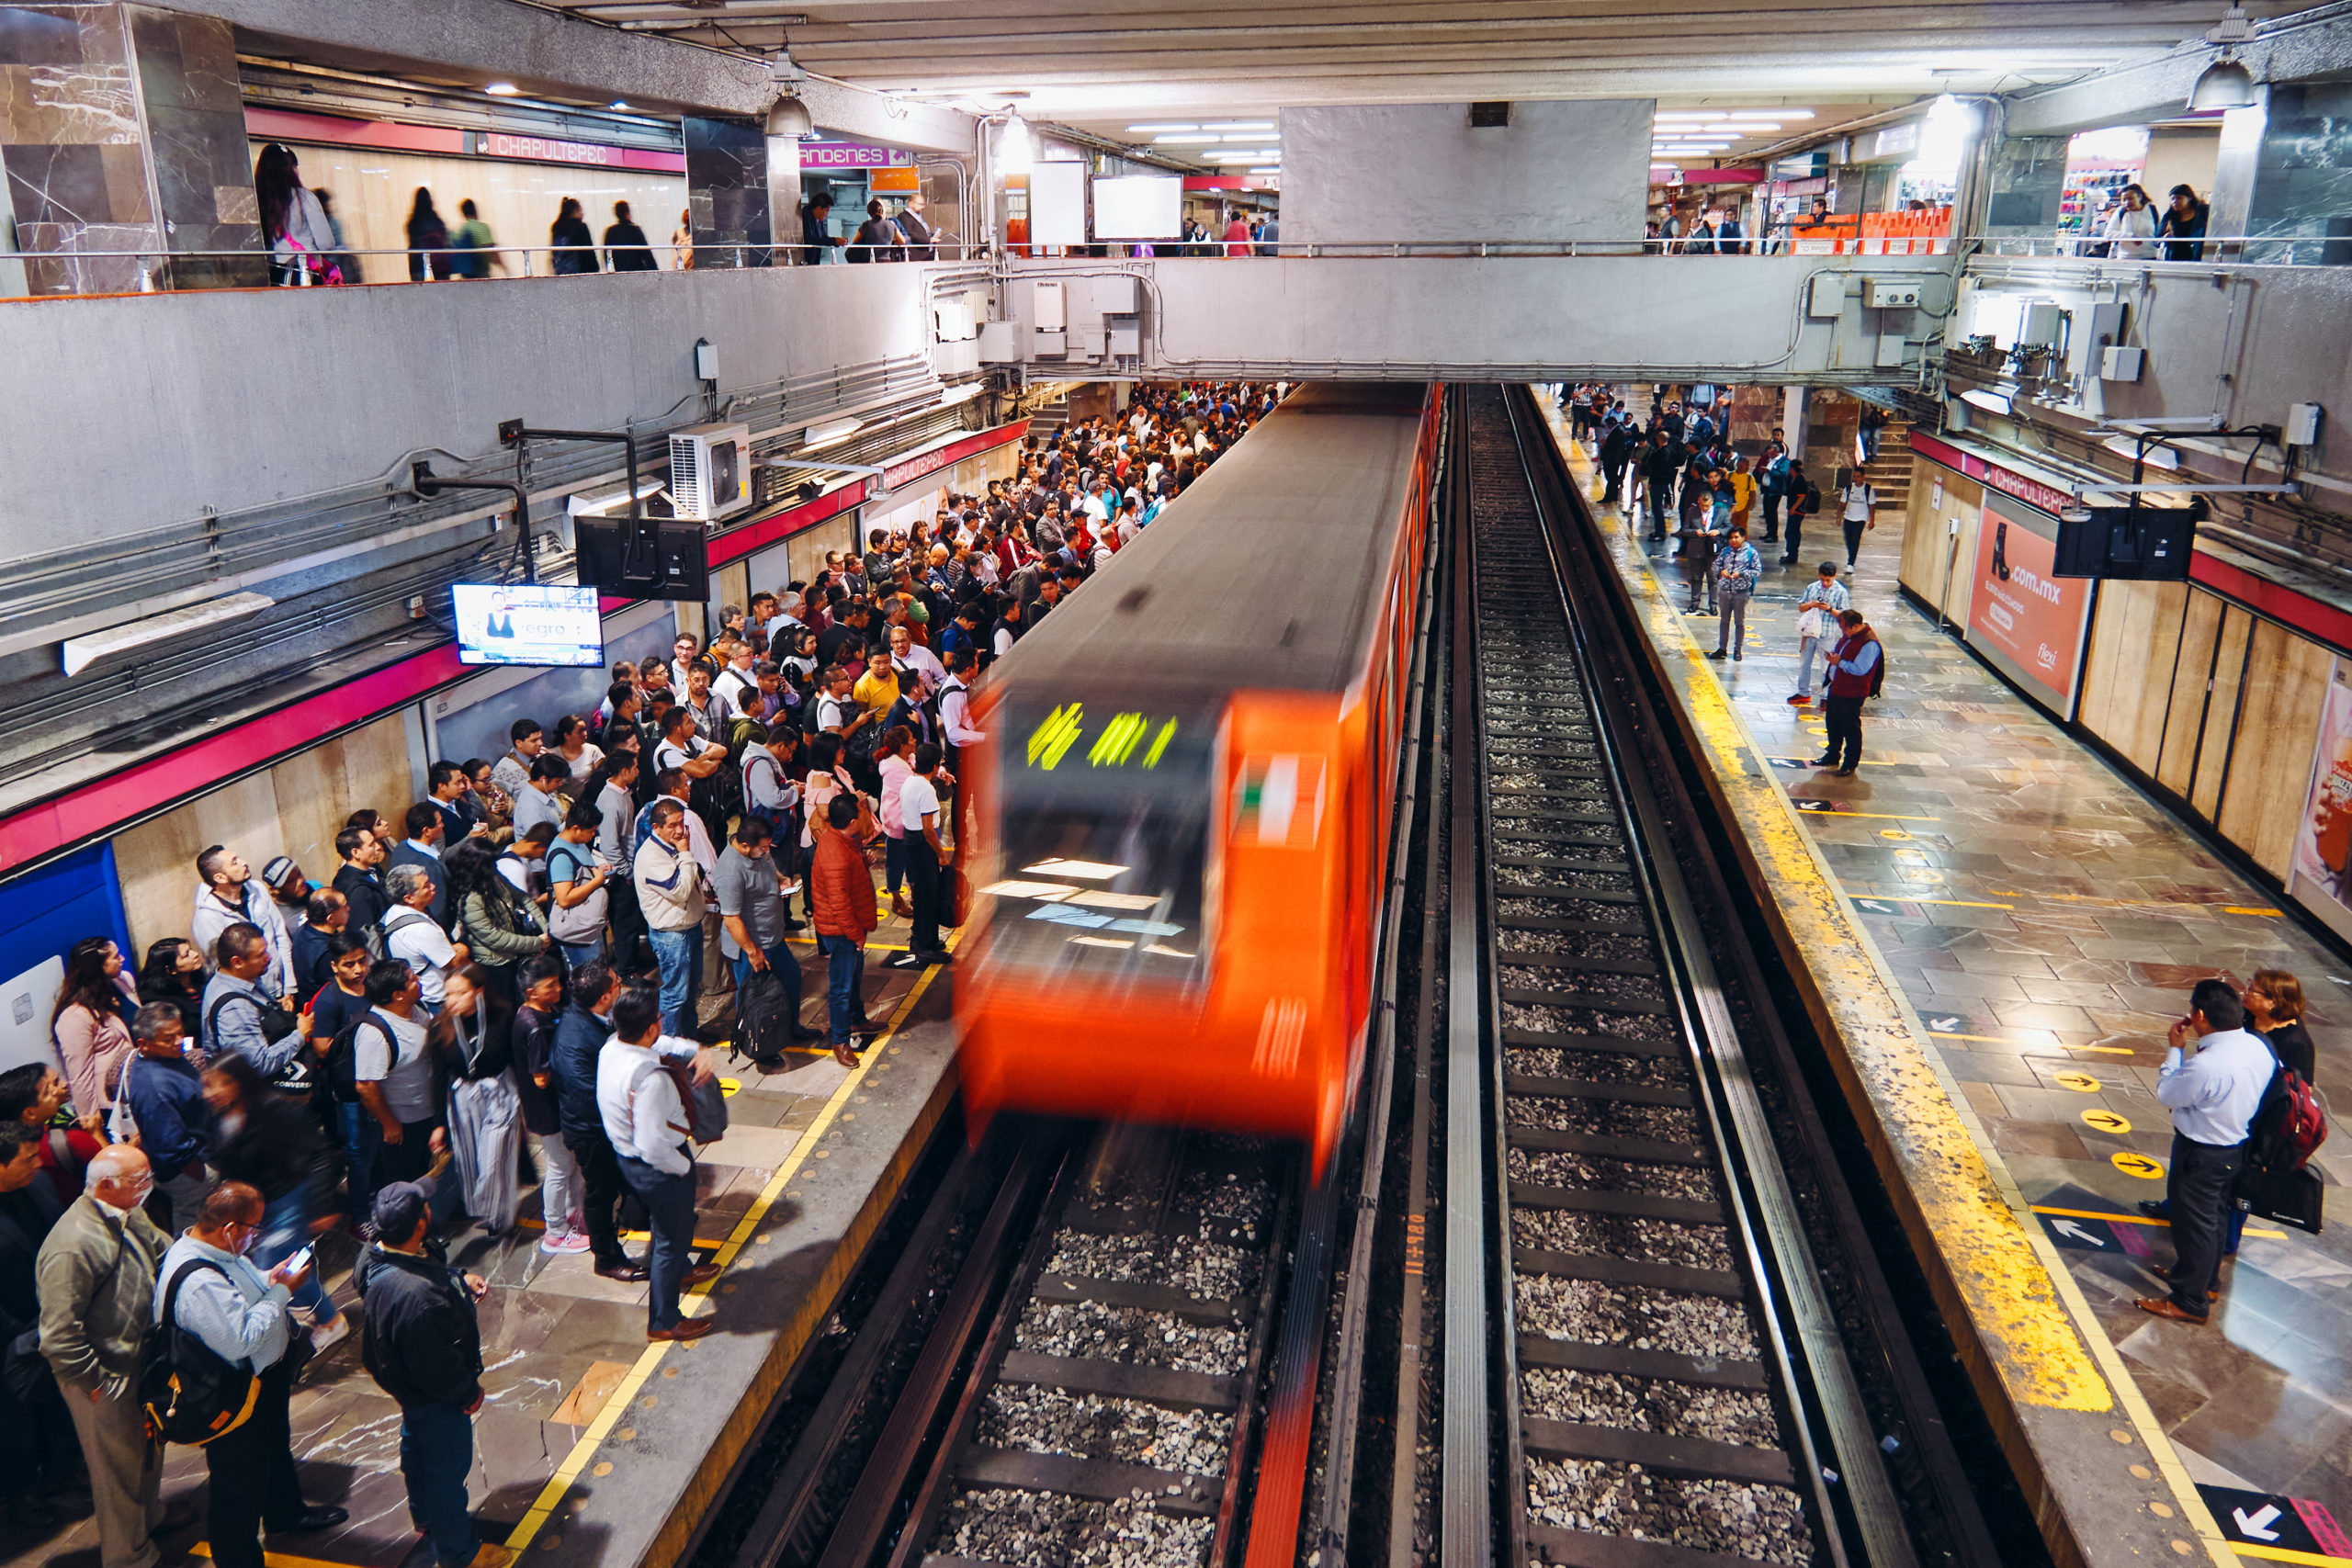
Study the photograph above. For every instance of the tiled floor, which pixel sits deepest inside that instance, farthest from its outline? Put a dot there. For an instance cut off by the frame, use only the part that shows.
(556, 1338)
(2046, 920)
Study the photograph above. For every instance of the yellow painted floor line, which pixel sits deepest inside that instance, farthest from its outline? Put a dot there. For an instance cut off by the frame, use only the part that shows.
(583, 1452)
(288, 1560)
(1811, 810)
(2141, 1220)
(2287, 1554)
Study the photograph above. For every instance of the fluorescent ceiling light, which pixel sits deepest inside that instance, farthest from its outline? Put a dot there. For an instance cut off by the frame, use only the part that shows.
(1275, 169)
(1770, 114)
(617, 104)
(1261, 135)
(1991, 402)
(1099, 942)
(502, 89)
(1040, 890)
(1084, 870)
(1146, 129)
(169, 629)
(1746, 127)
(1187, 138)
(1687, 114)
(1238, 125)
(829, 433)
(1115, 900)
(1256, 157)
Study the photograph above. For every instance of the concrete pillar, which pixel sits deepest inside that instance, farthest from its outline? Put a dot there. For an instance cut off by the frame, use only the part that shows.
(2302, 175)
(2234, 165)
(727, 191)
(2027, 180)
(122, 128)
(1793, 420)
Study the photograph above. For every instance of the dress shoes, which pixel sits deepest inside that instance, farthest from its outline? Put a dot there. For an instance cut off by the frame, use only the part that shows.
(2162, 1306)
(684, 1328)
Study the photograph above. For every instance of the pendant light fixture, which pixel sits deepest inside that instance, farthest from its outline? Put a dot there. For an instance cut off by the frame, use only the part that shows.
(2226, 84)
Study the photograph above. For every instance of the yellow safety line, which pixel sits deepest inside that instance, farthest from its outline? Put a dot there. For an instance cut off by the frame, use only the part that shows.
(551, 1496)
(1836, 811)
(2140, 1220)
(2287, 1554)
(288, 1560)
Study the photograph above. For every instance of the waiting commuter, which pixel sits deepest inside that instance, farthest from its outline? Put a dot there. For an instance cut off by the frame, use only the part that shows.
(841, 906)
(422, 1345)
(357, 878)
(420, 852)
(817, 240)
(1804, 500)
(2183, 225)
(574, 247)
(327, 914)
(37, 1435)
(293, 225)
(241, 1013)
(1816, 615)
(1860, 502)
(428, 240)
(921, 243)
(91, 1022)
(160, 1097)
(927, 859)
(96, 1276)
(1856, 671)
(472, 1044)
(579, 1036)
(669, 892)
(415, 937)
(645, 1120)
(879, 239)
(241, 1316)
(626, 247)
(265, 1140)
(681, 239)
(228, 892)
(1737, 566)
(2212, 1093)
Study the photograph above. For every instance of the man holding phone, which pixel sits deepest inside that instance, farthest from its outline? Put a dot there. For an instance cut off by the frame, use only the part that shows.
(2212, 1091)
(241, 1316)
(422, 1345)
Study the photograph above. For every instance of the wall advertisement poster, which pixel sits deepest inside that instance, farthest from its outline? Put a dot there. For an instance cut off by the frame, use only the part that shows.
(2029, 622)
(2320, 877)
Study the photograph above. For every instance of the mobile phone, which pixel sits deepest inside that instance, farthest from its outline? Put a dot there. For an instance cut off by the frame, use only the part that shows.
(298, 1262)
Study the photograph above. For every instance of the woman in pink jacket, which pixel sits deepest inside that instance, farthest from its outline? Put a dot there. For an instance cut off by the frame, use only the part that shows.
(92, 1036)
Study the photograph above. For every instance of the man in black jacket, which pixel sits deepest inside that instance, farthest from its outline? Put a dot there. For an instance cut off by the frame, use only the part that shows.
(579, 1036)
(356, 879)
(423, 1346)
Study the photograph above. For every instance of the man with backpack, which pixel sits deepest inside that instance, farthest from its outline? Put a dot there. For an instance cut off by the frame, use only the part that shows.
(422, 1345)
(753, 926)
(576, 878)
(645, 1120)
(97, 1273)
(224, 1326)
(2212, 1093)
(240, 1015)
(1856, 673)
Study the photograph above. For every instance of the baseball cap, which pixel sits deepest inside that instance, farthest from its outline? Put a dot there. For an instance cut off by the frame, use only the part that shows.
(399, 1206)
(276, 870)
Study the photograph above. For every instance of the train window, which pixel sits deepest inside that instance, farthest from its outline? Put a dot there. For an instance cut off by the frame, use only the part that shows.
(1103, 838)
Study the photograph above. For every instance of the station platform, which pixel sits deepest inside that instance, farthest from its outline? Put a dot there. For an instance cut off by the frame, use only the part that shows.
(1993, 930)
(594, 1446)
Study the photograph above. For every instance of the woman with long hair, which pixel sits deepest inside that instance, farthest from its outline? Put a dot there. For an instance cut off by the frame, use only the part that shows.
(572, 743)
(576, 247)
(428, 239)
(472, 1045)
(263, 1139)
(174, 972)
(2274, 1006)
(503, 926)
(92, 1021)
(293, 225)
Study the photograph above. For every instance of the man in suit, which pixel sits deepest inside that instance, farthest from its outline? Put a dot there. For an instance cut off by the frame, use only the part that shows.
(422, 848)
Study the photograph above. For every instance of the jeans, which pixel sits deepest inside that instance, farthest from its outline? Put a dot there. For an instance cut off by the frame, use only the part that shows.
(361, 1138)
(436, 1451)
(894, 862)
(1796, 527)
(922, 878)
(1772, 515)
(1854, 527)
(679, 955)
(2197, 1193)
(575, 953)
(1806, 648)
(1657, 494)
(669, 1205)
(602, 1189)
(1843, 716)
(559, 1189)
(845, 985)
(1731, 632)
(252, 1477)
(285, 1227)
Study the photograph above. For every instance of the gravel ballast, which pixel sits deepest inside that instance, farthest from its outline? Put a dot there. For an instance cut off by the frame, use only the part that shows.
(1603, 1066)
(1129, 1334)
(1046, 1420)
(1592, 1173)
(1639, 1405)
(1049, 1531)
(1664, 1124)
(1621, 1236)
(1201, 1267)
(1598, 1313)
(1765, 1523)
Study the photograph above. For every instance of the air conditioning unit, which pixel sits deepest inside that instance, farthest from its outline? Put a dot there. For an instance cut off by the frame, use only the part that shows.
(710, 471)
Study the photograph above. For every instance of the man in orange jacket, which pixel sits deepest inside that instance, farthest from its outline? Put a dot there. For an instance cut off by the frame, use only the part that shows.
(840, 898)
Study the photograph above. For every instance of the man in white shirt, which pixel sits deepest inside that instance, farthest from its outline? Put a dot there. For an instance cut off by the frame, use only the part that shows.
(1861, 504)
(2212, 1094)
(919, 806)
(909, 657)
(412, 935)
(652, 1135)
(535, 802)
(737, 688)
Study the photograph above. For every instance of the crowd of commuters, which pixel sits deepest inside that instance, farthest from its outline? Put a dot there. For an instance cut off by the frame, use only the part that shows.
(504, 984)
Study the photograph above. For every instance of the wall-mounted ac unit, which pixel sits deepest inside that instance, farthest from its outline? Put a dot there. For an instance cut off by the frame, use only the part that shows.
(710, 471)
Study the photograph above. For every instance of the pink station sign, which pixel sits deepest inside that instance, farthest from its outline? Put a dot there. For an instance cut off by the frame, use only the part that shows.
(852, 155)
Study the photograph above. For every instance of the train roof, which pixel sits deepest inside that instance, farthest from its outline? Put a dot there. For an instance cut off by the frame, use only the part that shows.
(1262, 573)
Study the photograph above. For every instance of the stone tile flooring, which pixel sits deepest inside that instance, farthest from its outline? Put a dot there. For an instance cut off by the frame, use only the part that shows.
(551, 1329)
(2045, 920)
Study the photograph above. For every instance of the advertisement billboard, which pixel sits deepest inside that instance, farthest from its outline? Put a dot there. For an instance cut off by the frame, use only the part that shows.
(2029, 622)
(2321, 875)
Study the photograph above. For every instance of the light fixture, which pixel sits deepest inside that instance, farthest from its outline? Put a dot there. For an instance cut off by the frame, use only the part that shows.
(1245, 136)
(1148, 130)
(619, 104)
(1743, 127)
(1274, 169)
(2225, 85)
(502, 89)
(1238, 125)
(1188, 139)
(788, 121)
(831, 433)
(2075, 512)
(1991, 402)
(1014, 148)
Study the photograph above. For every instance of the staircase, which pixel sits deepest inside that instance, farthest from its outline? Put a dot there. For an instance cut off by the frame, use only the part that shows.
(1890, 472)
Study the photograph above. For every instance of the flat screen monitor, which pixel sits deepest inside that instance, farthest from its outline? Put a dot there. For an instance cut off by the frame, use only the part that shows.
(1139, 206)
(508, 623)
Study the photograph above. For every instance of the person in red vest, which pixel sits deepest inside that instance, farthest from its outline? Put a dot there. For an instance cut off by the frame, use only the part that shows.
(1856, 673)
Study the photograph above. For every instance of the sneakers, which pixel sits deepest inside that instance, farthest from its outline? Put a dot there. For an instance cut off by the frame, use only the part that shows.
(333, 1334)
(564, 1241)
(1800, 700)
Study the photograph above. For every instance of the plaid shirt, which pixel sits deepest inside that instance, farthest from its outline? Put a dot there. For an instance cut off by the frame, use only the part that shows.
(1737, 569)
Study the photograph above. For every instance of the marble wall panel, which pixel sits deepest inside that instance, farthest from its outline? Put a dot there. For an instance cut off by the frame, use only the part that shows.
(727, 181)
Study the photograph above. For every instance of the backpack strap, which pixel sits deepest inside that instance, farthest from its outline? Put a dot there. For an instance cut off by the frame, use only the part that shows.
(171, 1300)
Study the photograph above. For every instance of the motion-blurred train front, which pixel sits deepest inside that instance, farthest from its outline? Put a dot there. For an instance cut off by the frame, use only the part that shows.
(1181, 815)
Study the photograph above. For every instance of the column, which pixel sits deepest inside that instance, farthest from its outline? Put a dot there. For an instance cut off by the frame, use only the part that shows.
(727, 191)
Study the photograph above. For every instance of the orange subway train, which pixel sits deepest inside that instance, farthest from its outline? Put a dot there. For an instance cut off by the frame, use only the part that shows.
(1179, 820)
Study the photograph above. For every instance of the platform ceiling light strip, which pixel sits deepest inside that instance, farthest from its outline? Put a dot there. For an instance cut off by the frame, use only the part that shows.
(1084, 870)
(1173, 125)
(1238, 125)
(1187, 138)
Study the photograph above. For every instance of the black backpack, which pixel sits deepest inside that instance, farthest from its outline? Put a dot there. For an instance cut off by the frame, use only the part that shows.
(277, 1023)
(341, 1068)
(764, 1017)
(191, 1395)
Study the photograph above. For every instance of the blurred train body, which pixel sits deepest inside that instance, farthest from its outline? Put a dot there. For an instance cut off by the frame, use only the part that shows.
(1181, 817)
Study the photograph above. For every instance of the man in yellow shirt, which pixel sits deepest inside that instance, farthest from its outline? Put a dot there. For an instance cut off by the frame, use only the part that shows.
(879, 687)
(1743, 492)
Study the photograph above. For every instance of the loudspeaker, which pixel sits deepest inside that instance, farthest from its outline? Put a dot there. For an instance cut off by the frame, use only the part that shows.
(671, 558)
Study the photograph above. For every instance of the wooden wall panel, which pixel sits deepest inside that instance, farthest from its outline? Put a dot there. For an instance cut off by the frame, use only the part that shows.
(2200, 627)
(2220, 712)
(2270, 763)
(1928, 553)
(2128, 681)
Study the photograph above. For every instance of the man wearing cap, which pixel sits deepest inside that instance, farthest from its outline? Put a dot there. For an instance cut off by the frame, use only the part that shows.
(422, 1343)
(646, 1122)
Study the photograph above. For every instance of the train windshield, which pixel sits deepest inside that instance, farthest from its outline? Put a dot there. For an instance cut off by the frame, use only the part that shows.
(1104, 839)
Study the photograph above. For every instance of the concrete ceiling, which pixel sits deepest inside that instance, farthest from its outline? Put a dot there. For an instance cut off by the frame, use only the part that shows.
(1104, 68)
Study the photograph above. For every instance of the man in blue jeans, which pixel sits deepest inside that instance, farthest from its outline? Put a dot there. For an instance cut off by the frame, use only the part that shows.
(422, 1345)
(755, 922)
(670, 894)
(841, 902)
(645, 1120)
